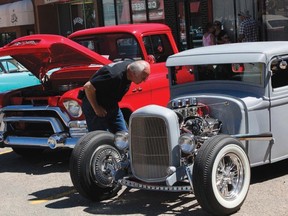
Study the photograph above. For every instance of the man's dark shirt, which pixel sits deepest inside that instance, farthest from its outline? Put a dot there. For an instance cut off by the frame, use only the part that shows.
(111, 84)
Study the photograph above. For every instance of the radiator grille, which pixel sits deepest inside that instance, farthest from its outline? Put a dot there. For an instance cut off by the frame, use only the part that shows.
(149, 148)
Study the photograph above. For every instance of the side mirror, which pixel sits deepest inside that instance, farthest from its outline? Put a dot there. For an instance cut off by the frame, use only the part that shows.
(283, 65)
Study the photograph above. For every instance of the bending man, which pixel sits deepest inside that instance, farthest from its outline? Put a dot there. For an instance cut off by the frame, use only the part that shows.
(106, 88)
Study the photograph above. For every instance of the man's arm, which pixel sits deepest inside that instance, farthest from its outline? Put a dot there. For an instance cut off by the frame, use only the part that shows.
(90, 92)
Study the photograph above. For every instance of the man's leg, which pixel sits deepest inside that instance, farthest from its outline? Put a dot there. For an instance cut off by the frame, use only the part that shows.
(117, 121)
(93, 122)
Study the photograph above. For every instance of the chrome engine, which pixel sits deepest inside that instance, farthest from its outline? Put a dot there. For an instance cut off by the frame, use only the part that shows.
(194, 117)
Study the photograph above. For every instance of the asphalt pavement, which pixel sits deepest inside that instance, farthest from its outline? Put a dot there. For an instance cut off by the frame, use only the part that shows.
(43, 186)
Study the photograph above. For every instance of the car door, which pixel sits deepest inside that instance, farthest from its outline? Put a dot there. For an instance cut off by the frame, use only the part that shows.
(279, 107)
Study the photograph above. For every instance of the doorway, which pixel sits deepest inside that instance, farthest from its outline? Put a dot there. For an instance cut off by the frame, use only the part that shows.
(192, 16)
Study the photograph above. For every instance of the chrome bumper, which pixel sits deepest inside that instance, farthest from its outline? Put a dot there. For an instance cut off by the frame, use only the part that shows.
(12, 141)
(61, 137)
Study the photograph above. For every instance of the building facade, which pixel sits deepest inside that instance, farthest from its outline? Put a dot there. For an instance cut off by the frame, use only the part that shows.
(186, 18)
(16, 19)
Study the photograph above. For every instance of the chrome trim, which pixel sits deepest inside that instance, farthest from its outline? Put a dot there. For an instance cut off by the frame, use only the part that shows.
(150, 148)
(11, 141)
(78, 124)
(78, 132)
(128, 183)
(263, 136)
(76, 128)
(57, 140)
(18, 108)
(177, 176)
(57, 127)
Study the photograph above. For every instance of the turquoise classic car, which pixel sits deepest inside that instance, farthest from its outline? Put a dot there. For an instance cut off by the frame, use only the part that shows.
(13, 75)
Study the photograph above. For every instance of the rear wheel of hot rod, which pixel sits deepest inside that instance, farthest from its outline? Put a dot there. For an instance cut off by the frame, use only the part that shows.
(221, 175)
(92, 160)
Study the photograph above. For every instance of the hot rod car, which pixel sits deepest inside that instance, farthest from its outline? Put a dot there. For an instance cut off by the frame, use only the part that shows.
(50, 115)
(227, 113)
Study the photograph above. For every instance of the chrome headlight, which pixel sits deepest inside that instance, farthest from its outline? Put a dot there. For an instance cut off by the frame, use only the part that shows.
(73, 108)
(187, 143)
(121, 140)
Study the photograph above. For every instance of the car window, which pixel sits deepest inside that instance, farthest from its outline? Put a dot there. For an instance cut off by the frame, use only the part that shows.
(240, 72)
(9, 67)
(278, 23)
(279, 70)
(12, 66)
(128, 48)
(158, 46)
(115, 47)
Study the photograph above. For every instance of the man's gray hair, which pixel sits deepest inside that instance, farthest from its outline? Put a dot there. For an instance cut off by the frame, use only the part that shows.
(138, 66)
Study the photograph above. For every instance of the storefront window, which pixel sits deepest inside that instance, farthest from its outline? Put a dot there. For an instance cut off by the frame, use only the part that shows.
(155, 10)
(190, 20)
(123, 12)
(224, 11)
(89, 14)
(132, 11)
(182, 26)
(196, 22)
(83, 14)
(109, 12)
(7, 37)
(275, 19)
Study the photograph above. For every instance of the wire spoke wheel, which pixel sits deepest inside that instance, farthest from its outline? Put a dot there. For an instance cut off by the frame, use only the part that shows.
(230, 176)
(221, 175)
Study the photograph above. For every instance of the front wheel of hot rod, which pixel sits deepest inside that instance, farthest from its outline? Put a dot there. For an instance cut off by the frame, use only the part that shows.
(221, 175)
(92, 162)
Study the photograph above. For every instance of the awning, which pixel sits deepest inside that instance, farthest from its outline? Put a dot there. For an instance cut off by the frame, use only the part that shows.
(17, 14)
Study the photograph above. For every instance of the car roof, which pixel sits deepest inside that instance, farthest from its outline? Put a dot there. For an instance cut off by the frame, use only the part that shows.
(5, 57)
(269, 17)
(230, 53)
(128, 28)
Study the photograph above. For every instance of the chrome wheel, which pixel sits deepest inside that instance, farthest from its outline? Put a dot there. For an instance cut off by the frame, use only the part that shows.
(104, 165)
(229, 176)
(92, 163)
(221, 175)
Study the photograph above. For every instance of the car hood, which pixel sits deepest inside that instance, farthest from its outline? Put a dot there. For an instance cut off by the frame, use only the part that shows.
(40, 53)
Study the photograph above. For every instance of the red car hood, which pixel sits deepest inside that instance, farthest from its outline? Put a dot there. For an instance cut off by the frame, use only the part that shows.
(41, 53)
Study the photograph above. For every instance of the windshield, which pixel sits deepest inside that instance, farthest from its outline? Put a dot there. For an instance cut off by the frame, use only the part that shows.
(236, 72)
(10, 65)
(115, 47)
(278, 23)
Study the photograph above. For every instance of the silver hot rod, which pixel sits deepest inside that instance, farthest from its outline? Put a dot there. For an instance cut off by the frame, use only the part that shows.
(227, 113)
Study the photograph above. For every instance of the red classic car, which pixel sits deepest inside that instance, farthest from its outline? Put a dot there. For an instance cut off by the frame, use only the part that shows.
(50, 115)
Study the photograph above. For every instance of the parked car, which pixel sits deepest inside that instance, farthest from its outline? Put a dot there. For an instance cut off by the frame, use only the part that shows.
(50, 115)
(227, 113)
(276, 27)
(13, 75)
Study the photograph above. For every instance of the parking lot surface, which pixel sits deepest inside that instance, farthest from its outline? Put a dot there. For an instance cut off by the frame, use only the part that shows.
(42, 186)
